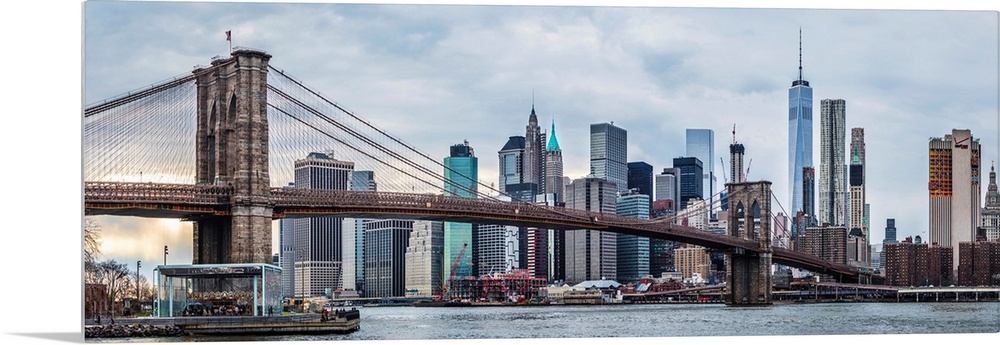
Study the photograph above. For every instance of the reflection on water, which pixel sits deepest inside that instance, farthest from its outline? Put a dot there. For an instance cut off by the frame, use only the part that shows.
(408, 323)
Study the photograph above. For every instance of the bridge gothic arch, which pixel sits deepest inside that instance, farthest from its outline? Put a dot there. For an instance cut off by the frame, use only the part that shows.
(748, 273)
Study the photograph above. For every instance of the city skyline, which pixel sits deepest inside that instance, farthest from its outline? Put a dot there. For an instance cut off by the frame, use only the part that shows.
(646, 71)
(49, 35)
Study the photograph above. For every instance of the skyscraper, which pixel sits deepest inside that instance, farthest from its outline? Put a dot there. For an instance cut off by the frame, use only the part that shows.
(553, 166)
(954, 190)
(832, 176)
(591, 254)
(354, 236)
(461, 174)
(512, 162)
(633, 251)
(890, 231)
(668, 186)
(609, 154)
(991, 212)
(858, 217)
(318, 243)
(533, 149)
(800, 131)
(424, 252)
(690, 179)
(640, 177)
(385, 257)
(736, 152)
(701, 145)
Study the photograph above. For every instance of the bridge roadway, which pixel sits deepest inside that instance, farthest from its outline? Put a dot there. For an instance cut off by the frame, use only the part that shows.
(186, 201)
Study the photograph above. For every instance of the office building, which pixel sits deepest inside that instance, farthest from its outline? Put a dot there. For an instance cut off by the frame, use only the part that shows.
(633, 251)
(286, 255)
(534, 145)
(424, 259)
(991, 210)
(640, 178)
(690, 180)
(591, 254)
(354, 237)
(609, 154)
(692, 259)
(954, 188)
(832, 175)
(497, 247)
(827, 242)
(800, 132)
(385, 257)
(317, 250)
(511, 162)
(668, 187)
(553, 167)
(461, 174)
(701, 145)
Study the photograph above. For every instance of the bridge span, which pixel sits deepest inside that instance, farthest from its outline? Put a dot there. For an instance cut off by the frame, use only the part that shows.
(192, 202)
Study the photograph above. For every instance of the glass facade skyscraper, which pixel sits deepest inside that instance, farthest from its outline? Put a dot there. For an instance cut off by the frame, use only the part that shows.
(609, 154)
(461, 174)
(701, 145)
(633, 251)
(800, 133)
(690, 178)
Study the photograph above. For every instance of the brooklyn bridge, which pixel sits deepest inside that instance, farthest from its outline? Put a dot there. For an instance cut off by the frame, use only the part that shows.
(217, 144)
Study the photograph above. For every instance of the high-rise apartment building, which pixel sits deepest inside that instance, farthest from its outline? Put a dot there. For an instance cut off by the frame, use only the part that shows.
(461, 175)
(591, 254)
(424, 255)
(832, 175)
(858, 216)
(385, 257)
(498, 250)
(954, 190)
(736, 152)
(633, 251)
(701, 145)
(800, 132)
(609, 154)
(691, 169)
(991, 210)
(914, 264)
(317, 250)
(692, 259)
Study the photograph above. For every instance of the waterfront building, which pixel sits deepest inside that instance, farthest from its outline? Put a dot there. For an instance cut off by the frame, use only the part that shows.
(609, 154)
(591, 254)
(690, 179)
(827, 242)
(632, 251)
(701, 145)
(461, 175)
(913, 264)
(317, 250)
(832, 175)
(991, 210)
(511, 162)
(800, 132)
(979, 263)
(354, 237)
(692, 259)
(385, 257)
(954, 189)
(424, 259)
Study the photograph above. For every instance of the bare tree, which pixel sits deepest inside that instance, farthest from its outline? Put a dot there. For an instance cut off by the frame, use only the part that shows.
(116, 278)
(91, 246)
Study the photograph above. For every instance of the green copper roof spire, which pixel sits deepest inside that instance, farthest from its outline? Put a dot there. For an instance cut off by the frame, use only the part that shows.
(553, 145)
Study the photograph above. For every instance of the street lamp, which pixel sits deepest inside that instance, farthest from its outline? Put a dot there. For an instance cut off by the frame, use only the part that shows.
(137, 265)
(164, 255)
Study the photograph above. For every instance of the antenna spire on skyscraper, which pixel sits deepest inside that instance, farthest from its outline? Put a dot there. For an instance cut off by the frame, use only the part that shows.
(800, 53)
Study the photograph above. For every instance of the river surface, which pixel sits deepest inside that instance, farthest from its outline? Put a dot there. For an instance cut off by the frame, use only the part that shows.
(652, 320)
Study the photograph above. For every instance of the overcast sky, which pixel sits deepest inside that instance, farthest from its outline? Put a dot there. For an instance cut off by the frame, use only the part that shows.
(469, 73)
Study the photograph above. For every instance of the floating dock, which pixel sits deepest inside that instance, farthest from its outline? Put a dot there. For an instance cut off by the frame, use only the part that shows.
(339, 323)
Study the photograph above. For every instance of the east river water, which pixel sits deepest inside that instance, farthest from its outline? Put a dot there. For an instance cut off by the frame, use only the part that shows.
(652, 320)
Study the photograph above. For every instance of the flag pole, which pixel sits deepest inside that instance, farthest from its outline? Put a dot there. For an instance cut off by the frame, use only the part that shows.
(229, 38)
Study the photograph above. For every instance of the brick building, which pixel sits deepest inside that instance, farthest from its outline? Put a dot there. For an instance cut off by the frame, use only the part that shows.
(912, 264)
(979, 263)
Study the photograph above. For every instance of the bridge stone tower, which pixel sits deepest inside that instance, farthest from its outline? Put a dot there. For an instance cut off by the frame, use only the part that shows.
(232, 149)
(748, 273)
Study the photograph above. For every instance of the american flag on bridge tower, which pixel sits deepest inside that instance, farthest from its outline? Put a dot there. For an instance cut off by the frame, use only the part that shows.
(229, 37)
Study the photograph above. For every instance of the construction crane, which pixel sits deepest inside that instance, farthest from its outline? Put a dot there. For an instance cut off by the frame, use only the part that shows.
(724, 177)
(451, 276)
(747, 175)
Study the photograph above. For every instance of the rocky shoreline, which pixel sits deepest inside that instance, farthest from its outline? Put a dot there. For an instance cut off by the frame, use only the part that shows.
(132, 331)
